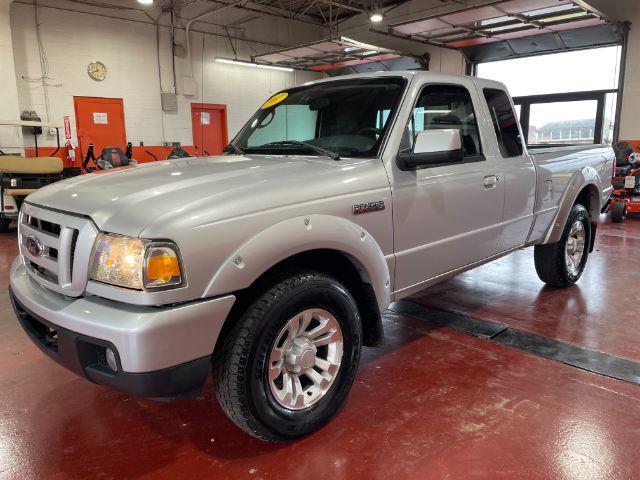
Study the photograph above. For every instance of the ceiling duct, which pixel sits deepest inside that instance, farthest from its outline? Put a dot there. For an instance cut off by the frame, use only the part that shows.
(339, 53)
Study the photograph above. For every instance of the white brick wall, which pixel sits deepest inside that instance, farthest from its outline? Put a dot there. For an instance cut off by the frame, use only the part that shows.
(72, 40)
(10, 137)
(630, 116)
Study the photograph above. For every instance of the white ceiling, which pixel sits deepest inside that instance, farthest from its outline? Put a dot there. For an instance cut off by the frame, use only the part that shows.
(268, 25)
(619, 10)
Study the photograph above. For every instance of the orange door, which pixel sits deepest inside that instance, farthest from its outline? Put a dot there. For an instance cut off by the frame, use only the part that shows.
(209, 123)
(100, 121)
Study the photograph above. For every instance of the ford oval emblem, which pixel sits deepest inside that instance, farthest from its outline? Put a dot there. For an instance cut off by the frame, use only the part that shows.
(35, 246)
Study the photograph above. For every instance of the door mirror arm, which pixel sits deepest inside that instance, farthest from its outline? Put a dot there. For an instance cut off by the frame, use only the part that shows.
(432, 148)
(408, 160)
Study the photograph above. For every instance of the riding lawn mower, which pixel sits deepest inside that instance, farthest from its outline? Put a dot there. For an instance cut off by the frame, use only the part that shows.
(625, 199)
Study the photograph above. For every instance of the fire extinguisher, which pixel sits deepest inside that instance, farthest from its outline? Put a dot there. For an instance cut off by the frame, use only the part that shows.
(71, 152)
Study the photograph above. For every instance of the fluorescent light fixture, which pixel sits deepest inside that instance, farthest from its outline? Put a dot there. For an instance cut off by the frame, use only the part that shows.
(146, 2)
(274, 67)
(376, 17)
(251, 64)
(370, 52)
(363, 46)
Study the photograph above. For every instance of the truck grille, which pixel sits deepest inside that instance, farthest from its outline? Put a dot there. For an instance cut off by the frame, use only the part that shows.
(60, 244)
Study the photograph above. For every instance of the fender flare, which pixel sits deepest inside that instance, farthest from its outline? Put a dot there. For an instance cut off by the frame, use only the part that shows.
(585, 177)
(302, 234)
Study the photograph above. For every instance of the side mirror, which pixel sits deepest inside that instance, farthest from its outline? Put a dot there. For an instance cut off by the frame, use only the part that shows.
(432, 148)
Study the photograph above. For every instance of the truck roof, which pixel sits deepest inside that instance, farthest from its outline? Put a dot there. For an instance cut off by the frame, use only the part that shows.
(420, 75)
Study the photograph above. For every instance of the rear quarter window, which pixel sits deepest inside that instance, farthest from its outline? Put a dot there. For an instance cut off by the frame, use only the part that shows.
(505, 122)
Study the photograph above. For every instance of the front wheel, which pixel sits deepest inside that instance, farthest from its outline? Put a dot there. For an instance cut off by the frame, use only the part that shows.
(561, 264)
(287, 364)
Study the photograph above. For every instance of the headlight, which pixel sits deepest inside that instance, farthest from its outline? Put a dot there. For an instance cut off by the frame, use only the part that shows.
(135, 263)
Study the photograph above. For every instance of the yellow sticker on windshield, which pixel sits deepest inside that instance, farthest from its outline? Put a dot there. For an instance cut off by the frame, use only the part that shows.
(276, 99)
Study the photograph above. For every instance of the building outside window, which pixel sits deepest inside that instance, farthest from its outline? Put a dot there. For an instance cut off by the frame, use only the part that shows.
(576, 105)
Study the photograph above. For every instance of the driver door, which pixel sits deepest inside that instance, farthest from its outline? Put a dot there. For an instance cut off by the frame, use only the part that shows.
(446, 216)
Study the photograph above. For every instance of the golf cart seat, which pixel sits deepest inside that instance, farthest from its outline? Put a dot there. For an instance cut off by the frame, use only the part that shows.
(19, 177)
(19, 192)
(15, 165)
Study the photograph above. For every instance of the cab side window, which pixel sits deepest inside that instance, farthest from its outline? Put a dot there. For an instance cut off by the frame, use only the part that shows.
(505, 122)
(446, 107)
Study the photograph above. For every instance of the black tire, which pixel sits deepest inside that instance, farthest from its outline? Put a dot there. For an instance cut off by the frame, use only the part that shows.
(240, 362)
(4, 225)
(550, 258)
(618, 212)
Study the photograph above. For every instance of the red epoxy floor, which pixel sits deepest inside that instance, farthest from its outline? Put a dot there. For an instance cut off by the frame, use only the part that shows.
(432, 404)
(600, 312)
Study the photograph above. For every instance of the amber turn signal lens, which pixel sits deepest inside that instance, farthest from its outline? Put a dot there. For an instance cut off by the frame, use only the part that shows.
(162, 267)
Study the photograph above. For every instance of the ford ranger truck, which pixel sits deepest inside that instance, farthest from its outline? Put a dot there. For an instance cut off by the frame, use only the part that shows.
(270, 265)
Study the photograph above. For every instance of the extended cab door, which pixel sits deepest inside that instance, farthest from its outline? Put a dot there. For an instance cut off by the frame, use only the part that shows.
(445, 216)
(517, 170)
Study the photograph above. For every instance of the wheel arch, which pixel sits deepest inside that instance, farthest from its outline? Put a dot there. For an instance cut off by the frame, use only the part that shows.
(584, 188)
(323, 243)
(589, 197)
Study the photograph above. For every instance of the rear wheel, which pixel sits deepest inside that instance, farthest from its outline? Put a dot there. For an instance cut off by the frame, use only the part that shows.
(618, 212)
(286, 366)
(561, 264)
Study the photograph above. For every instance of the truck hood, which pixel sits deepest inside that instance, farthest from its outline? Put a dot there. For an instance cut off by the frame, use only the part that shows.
(207, 189)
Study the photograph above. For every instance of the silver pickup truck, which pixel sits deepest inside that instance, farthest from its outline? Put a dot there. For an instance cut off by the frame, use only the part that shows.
(271, 264)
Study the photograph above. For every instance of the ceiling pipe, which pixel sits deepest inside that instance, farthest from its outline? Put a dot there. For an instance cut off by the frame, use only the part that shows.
(200, 17)
(280, 13)
(346, 6)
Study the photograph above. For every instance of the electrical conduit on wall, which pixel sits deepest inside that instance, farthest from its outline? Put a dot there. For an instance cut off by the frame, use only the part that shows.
(11, 140)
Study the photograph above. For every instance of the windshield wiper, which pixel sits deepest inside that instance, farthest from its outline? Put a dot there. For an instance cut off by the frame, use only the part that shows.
(308, 146)
(233, 148)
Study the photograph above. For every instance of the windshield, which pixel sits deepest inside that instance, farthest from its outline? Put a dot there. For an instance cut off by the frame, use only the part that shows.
(347, 117)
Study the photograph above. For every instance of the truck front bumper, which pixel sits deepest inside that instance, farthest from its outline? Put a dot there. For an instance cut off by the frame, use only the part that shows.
(159, 352)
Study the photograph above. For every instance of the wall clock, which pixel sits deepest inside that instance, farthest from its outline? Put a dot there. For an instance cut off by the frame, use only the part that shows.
(97, 71)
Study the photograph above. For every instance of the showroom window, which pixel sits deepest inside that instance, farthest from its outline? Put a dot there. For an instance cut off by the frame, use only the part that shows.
(574, 122)
(576, 105)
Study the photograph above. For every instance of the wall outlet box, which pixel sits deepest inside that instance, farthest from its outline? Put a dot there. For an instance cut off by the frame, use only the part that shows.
(189, 87)
(179, 50)
(52, 131)
(169, 102)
